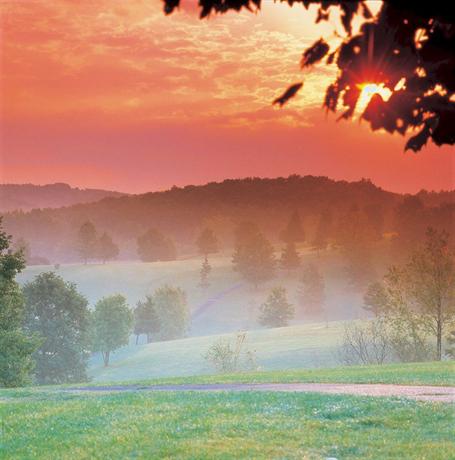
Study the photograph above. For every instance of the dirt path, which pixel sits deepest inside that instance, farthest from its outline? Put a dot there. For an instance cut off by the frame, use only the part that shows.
(422, 393)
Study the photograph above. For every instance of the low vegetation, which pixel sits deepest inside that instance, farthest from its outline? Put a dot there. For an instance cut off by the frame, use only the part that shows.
(187, 425)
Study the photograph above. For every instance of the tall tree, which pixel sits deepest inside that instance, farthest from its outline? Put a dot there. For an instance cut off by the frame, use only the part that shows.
(207, 242)
(423, 289)
(407, 48)
(56, 311)
(290, 259)
(276, 311)
(204, 274)
(106, 248)
(112, 325)
(172, 310)
(293, 232)
(146, 320)
(253, 257)
(16, 347)
(86, 241)
(312, 290)
(323, 230)
(153, 246)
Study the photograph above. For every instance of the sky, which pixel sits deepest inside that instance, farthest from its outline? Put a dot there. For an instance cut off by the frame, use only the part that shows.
(116, 95)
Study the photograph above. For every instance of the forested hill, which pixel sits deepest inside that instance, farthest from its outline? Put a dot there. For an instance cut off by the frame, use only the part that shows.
(28, 196)
(180, 213)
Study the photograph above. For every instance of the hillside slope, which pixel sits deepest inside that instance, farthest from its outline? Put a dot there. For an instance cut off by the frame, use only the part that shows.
(28, 196)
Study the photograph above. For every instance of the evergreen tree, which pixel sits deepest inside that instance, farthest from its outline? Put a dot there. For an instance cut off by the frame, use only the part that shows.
(59, 314)
(294, 230)
(290, 258)
(107, 249)
(87, 241)
(112, 325)
(254, 257)
(312, 291)
(207, 242)
(323, 230)
(146, 320)
(172, 310)
(153, 246)
(204, 273)
(276, 311)
(16, 347)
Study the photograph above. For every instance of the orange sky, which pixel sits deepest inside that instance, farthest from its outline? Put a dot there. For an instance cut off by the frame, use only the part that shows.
(113, 94)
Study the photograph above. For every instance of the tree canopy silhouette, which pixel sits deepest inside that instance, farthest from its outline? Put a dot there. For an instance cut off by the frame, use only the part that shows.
(408, 47)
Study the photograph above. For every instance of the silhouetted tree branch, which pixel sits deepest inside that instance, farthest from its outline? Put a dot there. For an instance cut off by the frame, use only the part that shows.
(408, 47)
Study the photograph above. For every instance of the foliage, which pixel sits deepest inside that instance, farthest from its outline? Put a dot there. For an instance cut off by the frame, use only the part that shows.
(172, 311)
(407, 48)
(106, 248)
(112, 325)
(451, 342)
(355, 236)
(312, 290)
(366, 344)
(323, 230)
(16, 347)
(181, 212)
(87, 241)
(293, 232)
(207, 242)
(146, 320)
(16, 363)
(276, 311)
(254, 257)
(422, 292)
(290, 258)
(153, 246)
(58, 313)
(204, 274)
(231, 356)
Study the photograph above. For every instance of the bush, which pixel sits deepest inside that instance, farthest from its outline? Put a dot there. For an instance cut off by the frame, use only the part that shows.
(366, 344)
(231, 356)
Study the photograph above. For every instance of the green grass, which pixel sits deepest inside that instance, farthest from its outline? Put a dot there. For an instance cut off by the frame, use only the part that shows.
(191, 425)
(429, 373)
(305, 346)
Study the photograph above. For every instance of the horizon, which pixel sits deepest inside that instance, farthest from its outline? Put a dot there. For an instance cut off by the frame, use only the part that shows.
(202, 184)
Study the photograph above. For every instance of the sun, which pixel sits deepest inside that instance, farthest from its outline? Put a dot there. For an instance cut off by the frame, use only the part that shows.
(367, 91)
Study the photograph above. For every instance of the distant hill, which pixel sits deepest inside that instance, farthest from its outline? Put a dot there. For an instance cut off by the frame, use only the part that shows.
(28, 196)
(181, 212)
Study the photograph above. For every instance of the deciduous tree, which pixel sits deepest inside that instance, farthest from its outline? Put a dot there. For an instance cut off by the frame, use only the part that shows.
(58, 313)
(112, 325)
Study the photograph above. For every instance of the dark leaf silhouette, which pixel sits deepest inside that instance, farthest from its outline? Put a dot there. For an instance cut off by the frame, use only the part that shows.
(411, 43)
(314, 53)
(288, 94)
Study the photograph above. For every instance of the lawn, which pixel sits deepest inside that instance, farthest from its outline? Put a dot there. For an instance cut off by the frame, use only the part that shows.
(191, 425)
(305, 346)
(229, 304)
(430, 373)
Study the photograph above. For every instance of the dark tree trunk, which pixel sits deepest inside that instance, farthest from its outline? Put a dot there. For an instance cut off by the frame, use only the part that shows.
(439, 340)
(106, 357)
(137, 339)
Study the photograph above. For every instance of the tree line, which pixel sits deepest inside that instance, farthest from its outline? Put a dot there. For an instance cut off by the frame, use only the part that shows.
(180, 213)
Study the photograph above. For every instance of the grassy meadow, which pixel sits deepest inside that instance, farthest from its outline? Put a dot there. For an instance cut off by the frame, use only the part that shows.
(190, 425)
(229, 304)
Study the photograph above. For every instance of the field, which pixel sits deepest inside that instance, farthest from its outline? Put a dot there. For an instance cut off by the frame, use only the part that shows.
(229, 304)
(306, 346)
(190, 425)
